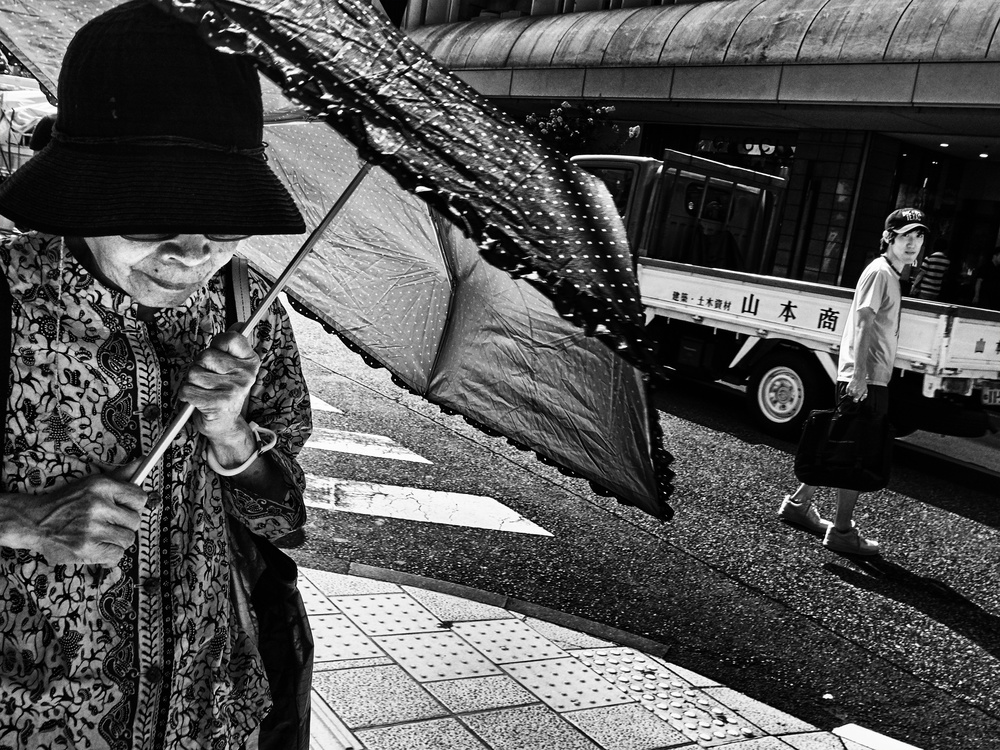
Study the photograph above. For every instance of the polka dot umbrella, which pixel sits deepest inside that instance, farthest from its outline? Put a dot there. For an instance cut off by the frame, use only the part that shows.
(530, 212)
(485, 271)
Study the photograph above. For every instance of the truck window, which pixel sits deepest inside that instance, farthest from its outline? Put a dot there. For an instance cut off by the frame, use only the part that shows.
(708, 222)
(715, 205)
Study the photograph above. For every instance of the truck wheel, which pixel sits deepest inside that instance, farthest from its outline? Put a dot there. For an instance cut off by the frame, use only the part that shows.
(781, 391)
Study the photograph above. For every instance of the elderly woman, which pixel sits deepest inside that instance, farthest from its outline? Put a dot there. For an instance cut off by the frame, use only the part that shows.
(117, 620)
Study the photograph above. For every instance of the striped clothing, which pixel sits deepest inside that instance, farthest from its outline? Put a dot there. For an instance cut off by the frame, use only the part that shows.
(931, 276)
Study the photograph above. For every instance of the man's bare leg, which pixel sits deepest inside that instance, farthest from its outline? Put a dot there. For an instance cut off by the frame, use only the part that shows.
(843, 520)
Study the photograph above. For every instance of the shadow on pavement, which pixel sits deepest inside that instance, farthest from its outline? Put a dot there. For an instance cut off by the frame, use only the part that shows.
(937, 600)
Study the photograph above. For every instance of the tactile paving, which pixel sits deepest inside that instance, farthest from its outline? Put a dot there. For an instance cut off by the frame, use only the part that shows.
(436, 656)
(317, 603)
(508, 641)
(566, 684)
(387, 614)
(669, 697)
(335, 638)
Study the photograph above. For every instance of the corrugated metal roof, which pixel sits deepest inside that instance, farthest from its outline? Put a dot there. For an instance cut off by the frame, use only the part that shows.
(737, 32)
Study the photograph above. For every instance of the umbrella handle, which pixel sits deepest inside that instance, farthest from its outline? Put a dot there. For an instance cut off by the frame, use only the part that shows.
(178, 422)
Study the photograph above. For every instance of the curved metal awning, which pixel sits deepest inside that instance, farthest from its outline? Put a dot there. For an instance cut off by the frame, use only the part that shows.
(902, 65)
(738, 32)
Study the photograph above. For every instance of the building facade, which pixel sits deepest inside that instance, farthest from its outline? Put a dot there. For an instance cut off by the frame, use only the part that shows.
(869, 106)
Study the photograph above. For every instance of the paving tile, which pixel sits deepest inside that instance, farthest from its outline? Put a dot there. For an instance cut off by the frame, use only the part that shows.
(693, 713)
(506, 641)
(480, 693)
(527, 728)
(335, 637)
(371, 696)
(821, 741)
(761, 743)
(326, 730)
(565, 637)
(316, 602)
(425, 735)
(692, 678)
(337, 584)
(320, 666)
(387, 614)
(626, 727)
(566, 685)
(770, 720)
(618, 662)
(436, 656)
(454, 608)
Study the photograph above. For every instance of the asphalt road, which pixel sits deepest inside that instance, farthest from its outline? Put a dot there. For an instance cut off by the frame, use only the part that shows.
(908, 645)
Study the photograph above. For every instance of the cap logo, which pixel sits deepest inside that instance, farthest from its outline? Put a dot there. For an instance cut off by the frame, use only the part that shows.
(912, 215)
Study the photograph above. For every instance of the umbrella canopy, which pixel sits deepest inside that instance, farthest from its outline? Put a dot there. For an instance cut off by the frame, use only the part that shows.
(410, 290)
(533, 212)
(407, 289)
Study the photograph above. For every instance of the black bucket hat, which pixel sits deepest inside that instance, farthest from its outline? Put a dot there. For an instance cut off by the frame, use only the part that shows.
(155, 132)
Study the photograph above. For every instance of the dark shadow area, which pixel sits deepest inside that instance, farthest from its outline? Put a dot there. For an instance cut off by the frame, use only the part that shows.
(937, 600)
(930, 479)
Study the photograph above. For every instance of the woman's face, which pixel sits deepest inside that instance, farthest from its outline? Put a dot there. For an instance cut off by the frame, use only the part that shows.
(160, 273)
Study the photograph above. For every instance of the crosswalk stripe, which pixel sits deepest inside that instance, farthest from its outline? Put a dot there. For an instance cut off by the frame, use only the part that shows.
(319, 404)
(410, 503)
(361, 444)
(871, 739)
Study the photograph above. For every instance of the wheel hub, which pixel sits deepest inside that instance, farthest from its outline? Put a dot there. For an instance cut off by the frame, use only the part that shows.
(781, 394)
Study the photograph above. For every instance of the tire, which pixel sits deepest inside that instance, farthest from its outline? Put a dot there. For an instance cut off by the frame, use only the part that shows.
(781, 391)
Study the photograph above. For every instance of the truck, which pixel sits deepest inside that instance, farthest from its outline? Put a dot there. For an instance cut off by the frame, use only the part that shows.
(703, 236)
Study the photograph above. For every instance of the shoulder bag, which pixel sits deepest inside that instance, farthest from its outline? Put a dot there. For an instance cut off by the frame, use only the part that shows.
(847, 446)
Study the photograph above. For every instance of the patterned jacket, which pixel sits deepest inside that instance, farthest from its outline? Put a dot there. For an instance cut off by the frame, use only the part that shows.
(147, 654)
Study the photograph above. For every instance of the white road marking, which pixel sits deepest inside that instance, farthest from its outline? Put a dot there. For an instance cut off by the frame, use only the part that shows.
(319, 404)
(362, 444)
(871, 739)
(409, 503)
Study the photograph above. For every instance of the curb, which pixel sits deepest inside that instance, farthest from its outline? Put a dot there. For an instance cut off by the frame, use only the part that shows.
(528, 609)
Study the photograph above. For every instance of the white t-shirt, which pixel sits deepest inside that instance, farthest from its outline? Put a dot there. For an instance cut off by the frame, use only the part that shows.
(878, 289)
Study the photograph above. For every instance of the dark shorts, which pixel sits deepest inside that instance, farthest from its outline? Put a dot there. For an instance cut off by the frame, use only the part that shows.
(876, 402)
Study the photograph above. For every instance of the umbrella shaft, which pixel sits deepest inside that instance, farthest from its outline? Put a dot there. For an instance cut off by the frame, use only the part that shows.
(175, 427)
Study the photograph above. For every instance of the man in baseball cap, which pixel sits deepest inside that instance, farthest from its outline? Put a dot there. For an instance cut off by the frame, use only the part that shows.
(867, 353)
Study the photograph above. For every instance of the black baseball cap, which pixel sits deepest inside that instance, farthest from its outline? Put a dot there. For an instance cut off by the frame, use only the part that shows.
(904, 220)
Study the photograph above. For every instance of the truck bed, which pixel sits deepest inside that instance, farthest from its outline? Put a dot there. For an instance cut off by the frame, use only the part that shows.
(935, 339)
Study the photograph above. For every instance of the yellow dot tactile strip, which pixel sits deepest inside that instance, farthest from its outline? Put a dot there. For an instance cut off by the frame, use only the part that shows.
(565, 684)
(335, 638)
(387, 614)
(687, 709)
(436, 656)
(317, 603)
(507, 641)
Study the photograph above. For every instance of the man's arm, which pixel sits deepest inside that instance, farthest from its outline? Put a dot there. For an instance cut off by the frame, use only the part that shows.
(857, 387)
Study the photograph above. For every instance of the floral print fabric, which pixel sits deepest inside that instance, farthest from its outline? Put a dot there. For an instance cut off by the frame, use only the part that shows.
(147, 654)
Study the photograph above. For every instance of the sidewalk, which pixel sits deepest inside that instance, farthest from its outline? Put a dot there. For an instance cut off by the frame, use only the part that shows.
(405, 663)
